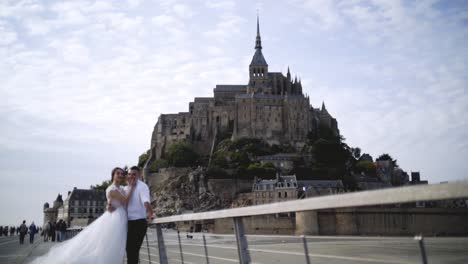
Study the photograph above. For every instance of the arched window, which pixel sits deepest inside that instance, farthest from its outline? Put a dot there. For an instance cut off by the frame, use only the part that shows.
(285, 194)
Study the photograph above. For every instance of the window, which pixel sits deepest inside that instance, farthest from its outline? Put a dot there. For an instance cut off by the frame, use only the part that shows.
(285, 195)
(279, 194)
(263, 194)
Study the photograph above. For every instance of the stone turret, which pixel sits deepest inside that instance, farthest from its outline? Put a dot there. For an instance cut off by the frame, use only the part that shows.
(58, 202)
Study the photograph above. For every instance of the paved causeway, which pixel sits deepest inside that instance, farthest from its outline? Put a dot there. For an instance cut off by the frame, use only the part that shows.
(274, 249)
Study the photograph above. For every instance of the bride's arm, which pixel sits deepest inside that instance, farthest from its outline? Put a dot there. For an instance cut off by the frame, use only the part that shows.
(124, 199)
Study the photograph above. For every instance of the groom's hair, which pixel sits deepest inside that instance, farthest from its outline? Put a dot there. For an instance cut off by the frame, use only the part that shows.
(135, 168)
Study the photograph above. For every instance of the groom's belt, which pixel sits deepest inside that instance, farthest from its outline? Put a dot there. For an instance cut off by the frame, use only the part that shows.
(138, 220)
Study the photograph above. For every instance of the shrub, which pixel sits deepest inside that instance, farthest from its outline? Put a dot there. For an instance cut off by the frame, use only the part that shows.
(181, 154)
(158, 164)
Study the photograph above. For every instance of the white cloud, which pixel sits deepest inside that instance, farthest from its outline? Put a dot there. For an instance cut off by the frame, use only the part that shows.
(166, 21)
(8, 35)
(224, 5)
(226, 27)
(323, 13)
(91, 77)
(183, 11)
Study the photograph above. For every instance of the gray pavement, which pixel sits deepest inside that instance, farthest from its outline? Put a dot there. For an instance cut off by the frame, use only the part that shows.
(12, 252)
(274, 249)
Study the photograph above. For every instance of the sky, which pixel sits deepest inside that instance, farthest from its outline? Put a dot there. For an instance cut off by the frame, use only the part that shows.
(83, 82)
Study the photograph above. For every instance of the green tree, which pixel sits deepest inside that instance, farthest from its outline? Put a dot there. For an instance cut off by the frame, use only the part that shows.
(215, 172)
(219, 160)
(182, 154)
(367, 167)
(102, 186)
(158, 164)
(261, 170)
(330, 153)
(386, 156)
(143, 158)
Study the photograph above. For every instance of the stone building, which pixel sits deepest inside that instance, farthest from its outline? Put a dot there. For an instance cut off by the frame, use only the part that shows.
(321, 187)
(51, 213)
(79, 208)
(282, 161)
(283, 188)
(271, 106)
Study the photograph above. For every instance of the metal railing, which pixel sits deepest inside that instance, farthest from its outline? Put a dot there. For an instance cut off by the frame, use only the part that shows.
(407, 194)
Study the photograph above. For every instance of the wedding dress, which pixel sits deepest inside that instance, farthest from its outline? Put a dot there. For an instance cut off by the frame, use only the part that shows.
(103, 241)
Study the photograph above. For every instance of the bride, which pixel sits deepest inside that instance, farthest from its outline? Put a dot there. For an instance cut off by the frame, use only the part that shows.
(104, 240)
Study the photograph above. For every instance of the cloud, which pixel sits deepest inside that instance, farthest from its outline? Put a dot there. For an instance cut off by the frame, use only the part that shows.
(8, 34)
(86, 80)
(223, 5)
(183, 11)
(225, 27)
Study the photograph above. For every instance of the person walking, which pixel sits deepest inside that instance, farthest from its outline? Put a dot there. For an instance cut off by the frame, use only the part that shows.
(58, 225)
(32, 232)
(46, 231)
(23, 230)
(63, 230)
(53, 227)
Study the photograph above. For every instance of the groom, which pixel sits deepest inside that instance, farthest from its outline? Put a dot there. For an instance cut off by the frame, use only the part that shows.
(139, 210)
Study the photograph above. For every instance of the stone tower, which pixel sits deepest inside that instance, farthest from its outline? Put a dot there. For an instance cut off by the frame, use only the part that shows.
(258, 68)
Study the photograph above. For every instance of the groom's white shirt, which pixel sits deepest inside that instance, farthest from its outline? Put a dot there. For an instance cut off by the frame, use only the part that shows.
(136, 206)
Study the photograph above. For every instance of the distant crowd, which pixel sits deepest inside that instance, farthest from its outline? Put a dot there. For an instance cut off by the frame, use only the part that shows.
(51, 231)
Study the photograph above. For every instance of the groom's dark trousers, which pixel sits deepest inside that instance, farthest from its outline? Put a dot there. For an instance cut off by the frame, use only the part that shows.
(135, 236)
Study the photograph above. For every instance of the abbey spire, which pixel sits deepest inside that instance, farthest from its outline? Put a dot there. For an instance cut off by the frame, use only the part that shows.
(258, 40)
(258, 59)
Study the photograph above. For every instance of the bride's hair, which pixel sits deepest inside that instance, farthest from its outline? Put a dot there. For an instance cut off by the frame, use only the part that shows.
(114, 171)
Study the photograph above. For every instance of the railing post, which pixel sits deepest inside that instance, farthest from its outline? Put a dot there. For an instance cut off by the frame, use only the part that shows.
(420, 240)
(161, 246)
(306, 249)
(206, 250)
(180, 248)
(242, 246)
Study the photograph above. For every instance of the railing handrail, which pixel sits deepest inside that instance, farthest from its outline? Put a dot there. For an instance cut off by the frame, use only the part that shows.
(406, 194)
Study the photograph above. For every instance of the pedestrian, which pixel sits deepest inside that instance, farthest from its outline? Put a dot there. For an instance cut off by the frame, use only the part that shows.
(1, 230)
(32, 232)
(23, 230)
(53, 227)
(46, 231)
(63, 231)
(5, 231)
(16, 230)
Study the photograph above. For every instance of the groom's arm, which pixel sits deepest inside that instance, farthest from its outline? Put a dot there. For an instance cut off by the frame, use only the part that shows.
(145, 198)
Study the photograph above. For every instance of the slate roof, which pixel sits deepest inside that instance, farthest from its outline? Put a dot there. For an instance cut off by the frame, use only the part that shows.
(258, 59)
(231, 88)
(322, 183)
(91, 195)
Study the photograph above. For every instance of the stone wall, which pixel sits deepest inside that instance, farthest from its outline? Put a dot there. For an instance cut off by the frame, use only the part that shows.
(359, 221)
(155, 179)
(393, 221)
(228, 188)
(261, 224)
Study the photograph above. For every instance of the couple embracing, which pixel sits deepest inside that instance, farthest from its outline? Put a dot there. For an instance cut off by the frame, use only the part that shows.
(122, 226)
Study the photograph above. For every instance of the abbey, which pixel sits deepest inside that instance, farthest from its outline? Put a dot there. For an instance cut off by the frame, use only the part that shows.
(270, 106)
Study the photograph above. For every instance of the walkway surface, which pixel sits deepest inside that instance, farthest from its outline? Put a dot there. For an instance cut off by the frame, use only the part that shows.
(12, 252)
(273, 249)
